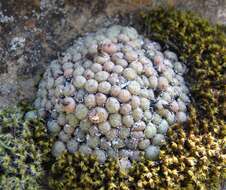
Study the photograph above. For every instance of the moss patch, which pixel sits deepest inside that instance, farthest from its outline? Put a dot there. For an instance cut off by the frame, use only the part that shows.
(24, 146)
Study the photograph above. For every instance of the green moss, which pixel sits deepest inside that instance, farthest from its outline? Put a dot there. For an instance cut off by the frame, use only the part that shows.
(21, 145)
(193, 157)
(81, 172)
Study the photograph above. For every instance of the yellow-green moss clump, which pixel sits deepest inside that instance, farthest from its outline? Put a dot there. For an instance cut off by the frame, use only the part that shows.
(194, 157)
(20, 155)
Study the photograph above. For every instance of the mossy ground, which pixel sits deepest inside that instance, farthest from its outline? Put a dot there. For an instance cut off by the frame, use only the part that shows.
(193, 158)
(24, 146)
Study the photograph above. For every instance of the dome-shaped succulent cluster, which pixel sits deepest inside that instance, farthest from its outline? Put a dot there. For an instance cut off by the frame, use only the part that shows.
(113, 93)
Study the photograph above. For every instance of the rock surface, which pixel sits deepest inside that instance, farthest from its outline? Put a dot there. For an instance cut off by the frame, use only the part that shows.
(34, 32)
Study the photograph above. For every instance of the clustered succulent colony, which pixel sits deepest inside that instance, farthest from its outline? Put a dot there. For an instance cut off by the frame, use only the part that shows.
(113, 93)
(194, 155)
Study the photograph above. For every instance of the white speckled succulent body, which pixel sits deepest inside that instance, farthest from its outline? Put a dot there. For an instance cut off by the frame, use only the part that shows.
(113, 94)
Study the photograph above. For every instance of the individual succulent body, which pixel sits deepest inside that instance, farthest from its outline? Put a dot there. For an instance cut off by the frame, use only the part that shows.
(113, 94)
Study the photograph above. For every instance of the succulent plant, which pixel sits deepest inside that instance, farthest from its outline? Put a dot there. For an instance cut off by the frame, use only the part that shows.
(116, 84)
(194, 154)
